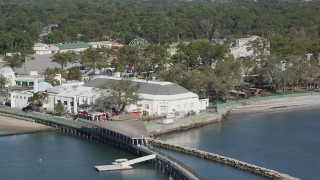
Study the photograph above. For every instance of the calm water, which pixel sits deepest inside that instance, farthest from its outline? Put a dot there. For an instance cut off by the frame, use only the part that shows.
(287, 142)
(53, 155)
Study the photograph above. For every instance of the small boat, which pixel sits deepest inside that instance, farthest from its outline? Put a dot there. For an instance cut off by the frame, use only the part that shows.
(119, 161)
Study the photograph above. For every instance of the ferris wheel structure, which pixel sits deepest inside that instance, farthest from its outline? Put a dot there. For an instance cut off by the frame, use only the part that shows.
(140, 43)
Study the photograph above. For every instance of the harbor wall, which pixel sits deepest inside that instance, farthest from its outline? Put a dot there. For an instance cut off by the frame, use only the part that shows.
(271, 174)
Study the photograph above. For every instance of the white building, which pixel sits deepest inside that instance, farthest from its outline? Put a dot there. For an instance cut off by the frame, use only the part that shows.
(156, 97)
(243, 47)
(106, 44)
(8, 73)
(41, 49)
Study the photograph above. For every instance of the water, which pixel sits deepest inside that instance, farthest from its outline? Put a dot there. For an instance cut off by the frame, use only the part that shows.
(287, 142)
(53, 155)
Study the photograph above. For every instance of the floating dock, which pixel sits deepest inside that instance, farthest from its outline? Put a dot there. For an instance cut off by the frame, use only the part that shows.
(124, 165)
(112, 167)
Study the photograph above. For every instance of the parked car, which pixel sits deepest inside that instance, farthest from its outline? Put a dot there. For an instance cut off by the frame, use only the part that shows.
(27, 108)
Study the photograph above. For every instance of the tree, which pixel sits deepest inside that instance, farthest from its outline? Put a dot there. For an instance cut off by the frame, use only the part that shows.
(38, 99)
(96, 58)
(74, 74)
(50, 75)
(227, 72)
(157, 57)
(60, 109)
(16, 60)
(63, 58)
(3, 81)
(126, 55)
(120, 94)
(268, 71)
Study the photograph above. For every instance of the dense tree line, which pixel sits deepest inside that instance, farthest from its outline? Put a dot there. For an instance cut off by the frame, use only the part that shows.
(156, 21)
(291, 32)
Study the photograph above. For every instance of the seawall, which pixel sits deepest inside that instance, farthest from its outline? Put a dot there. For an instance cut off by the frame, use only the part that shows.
(182, 124)
(271, 174)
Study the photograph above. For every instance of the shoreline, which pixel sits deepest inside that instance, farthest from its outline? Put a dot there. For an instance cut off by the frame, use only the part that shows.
(15, 126)
(259, 107)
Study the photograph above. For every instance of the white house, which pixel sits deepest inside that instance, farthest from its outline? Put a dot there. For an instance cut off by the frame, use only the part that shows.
(41, 49)
(243, 47)
(156, 97)
(8, 73)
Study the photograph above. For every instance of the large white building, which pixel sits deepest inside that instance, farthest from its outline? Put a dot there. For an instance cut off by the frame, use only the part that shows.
(156, 97)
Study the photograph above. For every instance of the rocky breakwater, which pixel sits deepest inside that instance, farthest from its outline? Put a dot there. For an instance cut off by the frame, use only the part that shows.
(271, 174)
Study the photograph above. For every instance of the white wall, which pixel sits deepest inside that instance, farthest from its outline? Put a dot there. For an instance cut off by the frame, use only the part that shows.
(19, 100)
(167, 107)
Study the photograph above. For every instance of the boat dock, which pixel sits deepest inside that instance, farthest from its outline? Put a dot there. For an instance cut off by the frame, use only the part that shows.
(125, 165)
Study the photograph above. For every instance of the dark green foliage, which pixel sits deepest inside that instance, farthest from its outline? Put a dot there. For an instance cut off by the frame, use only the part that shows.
(38, 99)
(156, 21)
(74, 74)
(118, 94)
(60, 109)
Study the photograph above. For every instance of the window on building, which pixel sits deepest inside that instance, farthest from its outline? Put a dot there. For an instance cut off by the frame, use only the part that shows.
(185, 106)
(163, 109)
(178, 107)
(65, 103)
(191, 105)
(146, 106)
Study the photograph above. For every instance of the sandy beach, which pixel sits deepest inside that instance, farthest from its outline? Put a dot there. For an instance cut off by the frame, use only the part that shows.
(276, 105)
(9, 125)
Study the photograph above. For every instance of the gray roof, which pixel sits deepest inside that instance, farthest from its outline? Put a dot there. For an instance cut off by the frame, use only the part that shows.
(133, 129)
(146, 87)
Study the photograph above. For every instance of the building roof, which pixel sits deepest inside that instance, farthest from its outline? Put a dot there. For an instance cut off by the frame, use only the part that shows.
(71, 91)
(43, 86)
(72, 45)
(146, 87)
(6, 70)
(40, 45)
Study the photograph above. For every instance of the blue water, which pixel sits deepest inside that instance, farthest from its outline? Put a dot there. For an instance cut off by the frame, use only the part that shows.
(53, 155)
(288, 142)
